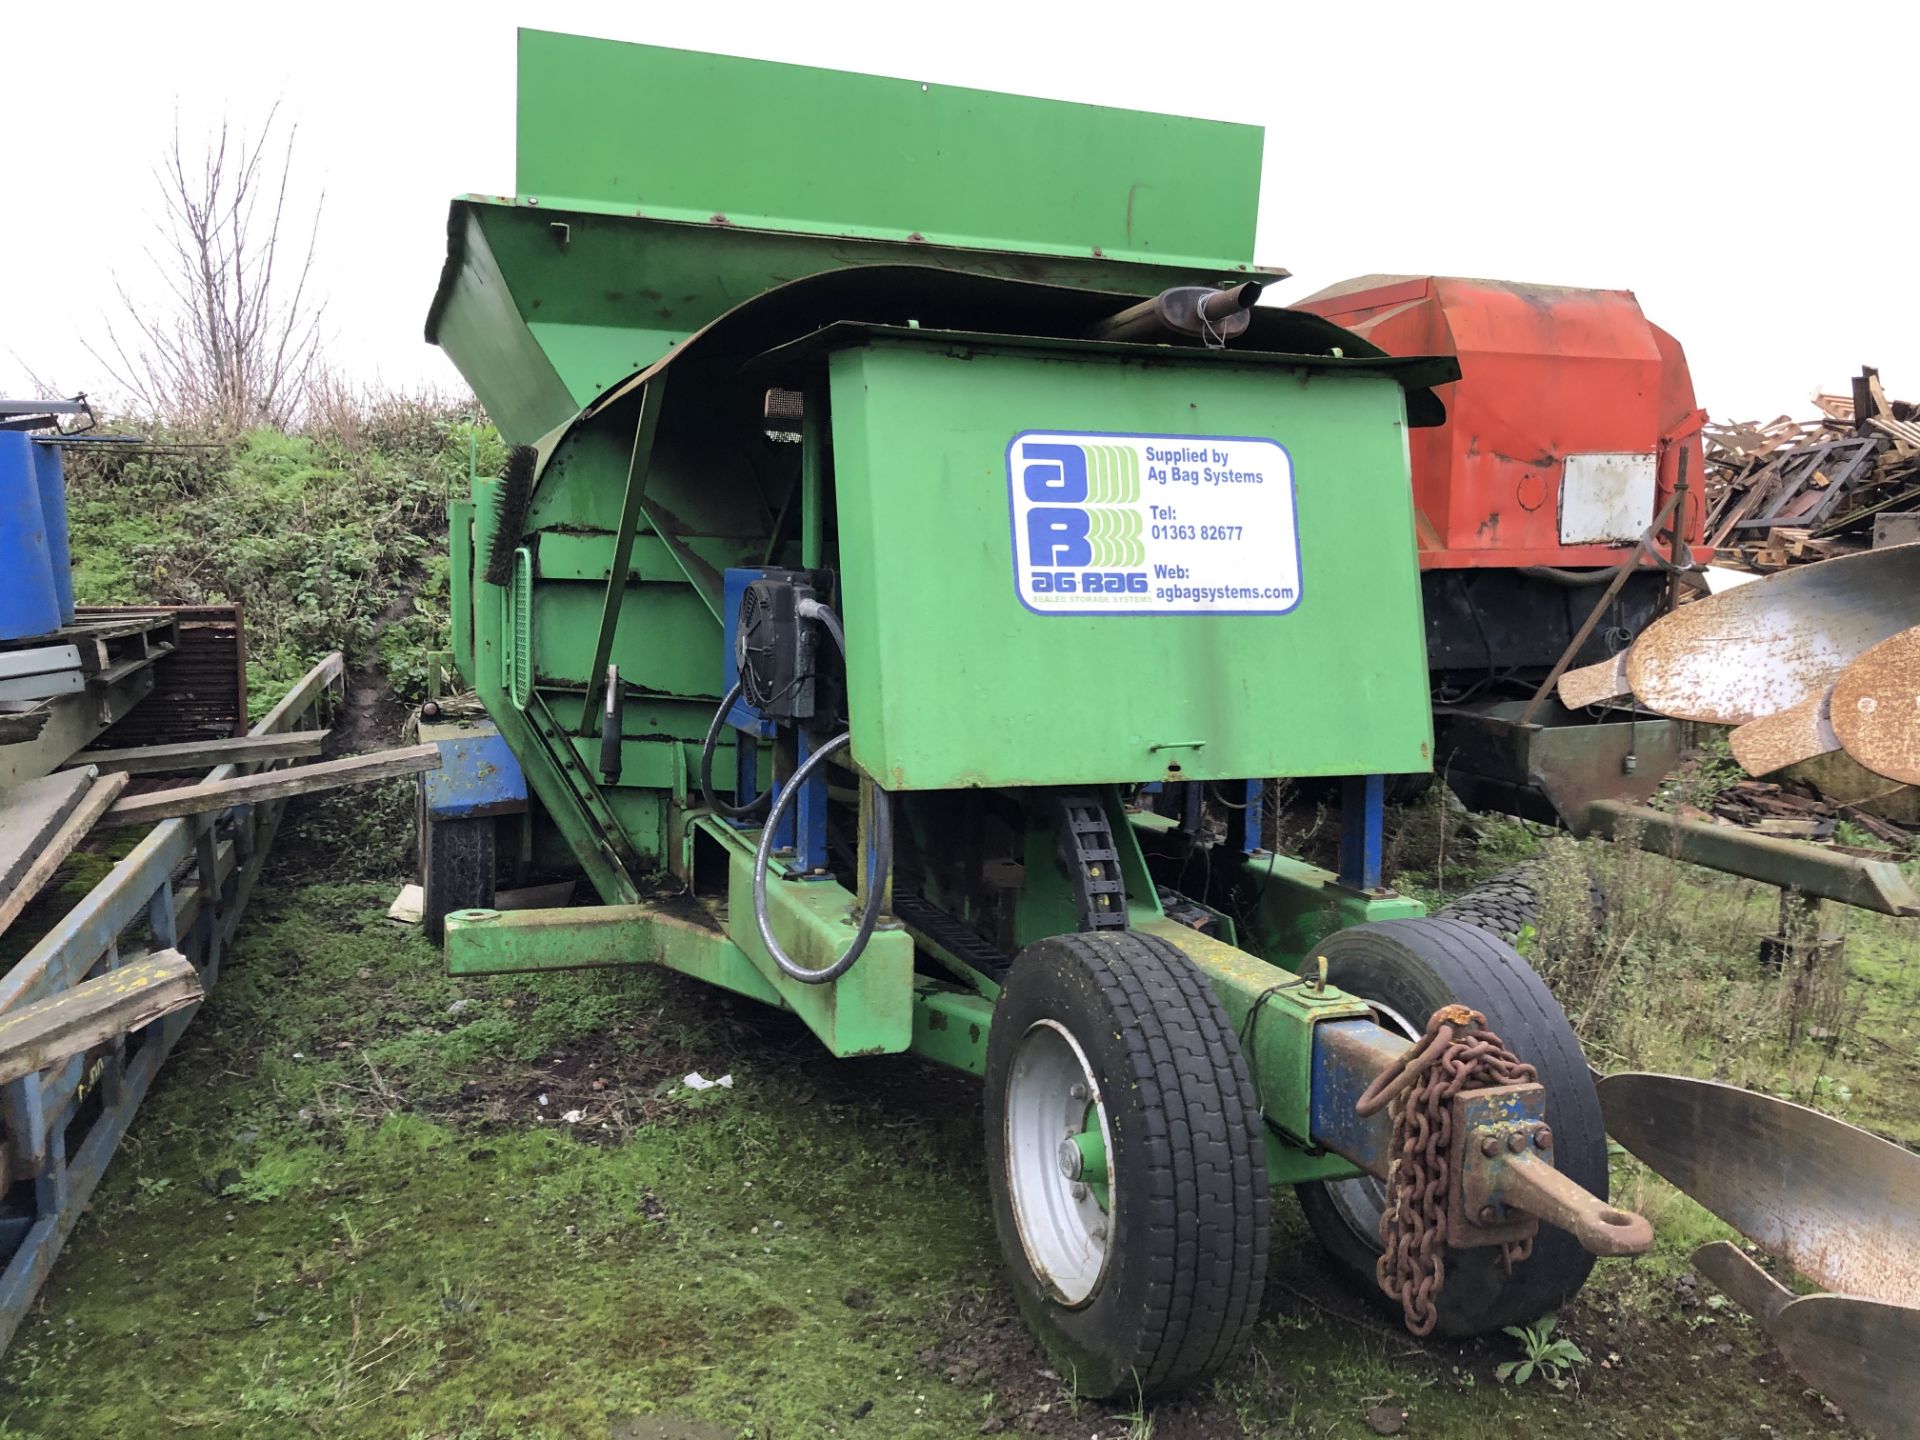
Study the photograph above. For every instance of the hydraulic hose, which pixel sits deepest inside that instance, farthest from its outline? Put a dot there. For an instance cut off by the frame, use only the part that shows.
(714, 802)
(879, 864)
(815, 610)
(1561, 576)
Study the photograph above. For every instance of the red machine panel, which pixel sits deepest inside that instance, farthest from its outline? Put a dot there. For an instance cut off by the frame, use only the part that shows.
(1564, 433)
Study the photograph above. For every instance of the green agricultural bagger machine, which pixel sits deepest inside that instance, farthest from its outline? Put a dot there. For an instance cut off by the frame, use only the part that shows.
(911, 525)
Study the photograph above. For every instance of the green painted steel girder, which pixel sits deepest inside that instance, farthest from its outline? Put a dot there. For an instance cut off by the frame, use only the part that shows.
(867, 1011)
(1876, 885)
(1273, 1011)
(950, 1026)
(871, 1010)
(506, 942)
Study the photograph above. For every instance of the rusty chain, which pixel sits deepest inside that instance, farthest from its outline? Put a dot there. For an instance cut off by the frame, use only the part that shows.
(1457, 1053)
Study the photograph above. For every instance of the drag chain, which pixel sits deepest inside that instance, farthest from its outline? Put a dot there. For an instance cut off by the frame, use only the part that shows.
(1457, 1053)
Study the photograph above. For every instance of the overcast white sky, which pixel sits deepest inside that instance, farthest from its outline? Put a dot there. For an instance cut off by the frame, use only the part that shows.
(1738, 166)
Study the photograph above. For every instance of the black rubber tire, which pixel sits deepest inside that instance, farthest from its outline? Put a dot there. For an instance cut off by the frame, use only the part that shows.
(1507, 903)
(457, 869)
(1189, 1206)
(1415, 967)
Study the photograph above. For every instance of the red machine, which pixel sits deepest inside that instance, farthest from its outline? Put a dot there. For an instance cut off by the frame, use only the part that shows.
(1563, 436)
(1566, 435)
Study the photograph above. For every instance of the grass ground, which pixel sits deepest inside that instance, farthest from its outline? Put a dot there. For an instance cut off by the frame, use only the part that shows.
(366, 1200)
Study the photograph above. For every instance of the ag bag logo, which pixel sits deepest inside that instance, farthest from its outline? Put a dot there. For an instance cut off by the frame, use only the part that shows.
(1084, 504)
(1150, 524)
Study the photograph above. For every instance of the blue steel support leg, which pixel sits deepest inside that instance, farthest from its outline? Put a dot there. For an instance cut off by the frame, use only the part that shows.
(207, 861)
(166, 934)
(1363, 819)
(116, 1057)
(746, 772)
(810, 837)
(1245, 824)
(783, 835)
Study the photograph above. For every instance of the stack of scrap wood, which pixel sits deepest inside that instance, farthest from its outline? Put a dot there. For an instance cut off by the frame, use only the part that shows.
(1798, 811)
(1790, 490)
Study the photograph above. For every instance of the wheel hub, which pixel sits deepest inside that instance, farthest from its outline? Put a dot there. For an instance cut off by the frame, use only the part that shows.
(1058, 1167)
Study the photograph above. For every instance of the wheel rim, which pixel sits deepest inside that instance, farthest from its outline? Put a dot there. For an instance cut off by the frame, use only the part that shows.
(1059, 1162)
(1361, 1202)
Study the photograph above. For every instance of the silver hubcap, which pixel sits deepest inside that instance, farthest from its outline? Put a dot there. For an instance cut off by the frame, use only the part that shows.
(1362, 1201)
(1057, 1204)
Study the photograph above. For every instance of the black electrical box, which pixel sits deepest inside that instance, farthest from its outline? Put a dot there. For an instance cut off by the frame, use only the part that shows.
(776, 648)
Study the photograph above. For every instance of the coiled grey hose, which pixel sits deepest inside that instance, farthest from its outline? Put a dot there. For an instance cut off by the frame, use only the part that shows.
(879, 863)
(879, 843)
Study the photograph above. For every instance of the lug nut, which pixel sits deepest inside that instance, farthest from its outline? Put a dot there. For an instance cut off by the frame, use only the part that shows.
(1079, 1191)
(1516, 1142)
(1543, 1137)
(1071, 1162)
(1098, 1232)
(1078, 1092)
(1489, 1147)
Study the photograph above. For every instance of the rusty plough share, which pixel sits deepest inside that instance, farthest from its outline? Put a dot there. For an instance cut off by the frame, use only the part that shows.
(1839, 1206)
(1810, 660)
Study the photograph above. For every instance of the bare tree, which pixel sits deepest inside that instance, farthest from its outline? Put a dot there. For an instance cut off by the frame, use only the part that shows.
(239, 336)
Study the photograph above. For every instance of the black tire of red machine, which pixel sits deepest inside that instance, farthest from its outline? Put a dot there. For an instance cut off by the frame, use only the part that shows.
(1507, 903)
(457, 867)
(1188, 1210)
(1412, 968)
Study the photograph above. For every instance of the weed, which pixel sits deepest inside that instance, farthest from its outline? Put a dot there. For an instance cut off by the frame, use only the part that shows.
(1139, 1419)
(1858, 837)
(1553, 1359)
(1710, 768)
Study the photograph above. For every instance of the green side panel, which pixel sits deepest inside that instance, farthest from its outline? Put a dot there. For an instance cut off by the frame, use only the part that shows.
(672, 643)
(555, 776)
(679, 135)
(981, 690)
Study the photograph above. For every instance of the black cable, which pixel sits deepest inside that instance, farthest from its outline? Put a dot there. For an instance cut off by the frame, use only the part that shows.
(714, 802)
(1250, 1031)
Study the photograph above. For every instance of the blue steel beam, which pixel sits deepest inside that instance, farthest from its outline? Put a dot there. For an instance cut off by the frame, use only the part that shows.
(40, 1109)
(1363, 823)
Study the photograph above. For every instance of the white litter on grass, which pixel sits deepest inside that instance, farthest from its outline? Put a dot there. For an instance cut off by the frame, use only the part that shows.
(408, 906)
(543, 1099)
(697, 1081)
(574, 1117)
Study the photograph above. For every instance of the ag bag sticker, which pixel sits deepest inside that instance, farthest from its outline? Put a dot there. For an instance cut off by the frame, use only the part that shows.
(1114, 524)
